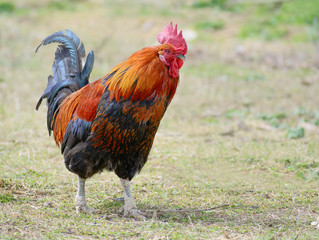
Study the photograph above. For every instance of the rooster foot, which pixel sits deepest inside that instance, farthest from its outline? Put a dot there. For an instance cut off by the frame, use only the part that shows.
(85, 209)
(81, 206)
(129, 208)
(132, 212)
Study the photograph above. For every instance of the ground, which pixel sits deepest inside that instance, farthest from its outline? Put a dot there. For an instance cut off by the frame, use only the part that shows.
(236, 155)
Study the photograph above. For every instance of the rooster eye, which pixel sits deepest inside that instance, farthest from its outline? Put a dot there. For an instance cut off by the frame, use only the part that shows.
(168, 51)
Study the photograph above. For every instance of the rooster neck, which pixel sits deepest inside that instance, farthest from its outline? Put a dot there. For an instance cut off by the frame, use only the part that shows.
(141, 77)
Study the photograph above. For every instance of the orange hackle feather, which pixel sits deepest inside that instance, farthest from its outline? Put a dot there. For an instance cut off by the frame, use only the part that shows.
(142, 77)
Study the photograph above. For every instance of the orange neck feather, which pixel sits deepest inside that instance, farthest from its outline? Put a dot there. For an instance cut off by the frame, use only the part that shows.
(142, 76)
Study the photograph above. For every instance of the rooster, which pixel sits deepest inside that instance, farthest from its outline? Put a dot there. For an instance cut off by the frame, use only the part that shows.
(110, 124)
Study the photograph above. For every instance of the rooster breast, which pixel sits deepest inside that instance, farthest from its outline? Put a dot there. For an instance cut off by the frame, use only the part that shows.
(121, 138)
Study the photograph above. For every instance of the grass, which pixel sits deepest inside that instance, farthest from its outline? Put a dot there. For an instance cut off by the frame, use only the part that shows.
(267, 20)
(222, 143)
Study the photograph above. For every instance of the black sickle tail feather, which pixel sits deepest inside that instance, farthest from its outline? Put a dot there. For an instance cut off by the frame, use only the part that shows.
(70, 71)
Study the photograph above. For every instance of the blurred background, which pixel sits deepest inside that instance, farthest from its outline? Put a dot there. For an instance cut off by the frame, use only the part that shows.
(245, 57)
(244, 120)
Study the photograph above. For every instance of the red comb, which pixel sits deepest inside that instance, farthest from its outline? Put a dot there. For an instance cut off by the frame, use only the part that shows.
(169, 35)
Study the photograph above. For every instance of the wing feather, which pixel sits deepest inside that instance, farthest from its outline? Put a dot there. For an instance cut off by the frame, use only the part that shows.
(77, 110)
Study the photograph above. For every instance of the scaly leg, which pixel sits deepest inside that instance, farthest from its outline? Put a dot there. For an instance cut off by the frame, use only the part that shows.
(80, 201)
(129, 207)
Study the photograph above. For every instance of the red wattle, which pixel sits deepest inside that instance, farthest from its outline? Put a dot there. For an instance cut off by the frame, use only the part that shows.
(180, 63)
(173, 68)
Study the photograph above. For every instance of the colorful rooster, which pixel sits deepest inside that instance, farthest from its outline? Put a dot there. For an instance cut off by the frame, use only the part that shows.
(110, 124)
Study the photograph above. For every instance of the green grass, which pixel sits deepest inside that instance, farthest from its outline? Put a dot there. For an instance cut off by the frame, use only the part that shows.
(277, 21)
(269, 21)
(6, 7)
(223, 142)
(216, 25)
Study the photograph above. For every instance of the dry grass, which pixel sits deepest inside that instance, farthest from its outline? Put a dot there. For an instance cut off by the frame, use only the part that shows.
(217, 144)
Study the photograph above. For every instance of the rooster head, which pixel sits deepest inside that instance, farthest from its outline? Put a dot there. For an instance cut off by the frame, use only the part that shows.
(173, 50)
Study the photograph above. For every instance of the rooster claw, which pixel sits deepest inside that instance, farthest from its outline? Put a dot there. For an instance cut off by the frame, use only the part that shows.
(133, 212)
(85, 209)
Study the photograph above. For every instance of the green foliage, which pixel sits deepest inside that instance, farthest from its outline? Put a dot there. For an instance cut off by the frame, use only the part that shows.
(58, 5)
(305, 115)
(298, 12)
(210, 3)
(272, 21)
(304, 170)
(264, 30)
(294, 133)
(235, 113)
(6, 7)
(211, 120)
(274, 119)
(213, 25)
(8, 197)
(267, 21)
(68, 5)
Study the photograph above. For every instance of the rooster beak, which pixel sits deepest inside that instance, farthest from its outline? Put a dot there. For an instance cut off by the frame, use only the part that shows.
(182, 57)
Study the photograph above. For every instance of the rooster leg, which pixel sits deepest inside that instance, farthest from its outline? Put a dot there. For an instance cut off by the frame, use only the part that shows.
(80, 201)
(129, 207)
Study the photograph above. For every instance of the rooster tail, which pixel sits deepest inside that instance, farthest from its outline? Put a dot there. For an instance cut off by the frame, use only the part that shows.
(70, 70)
